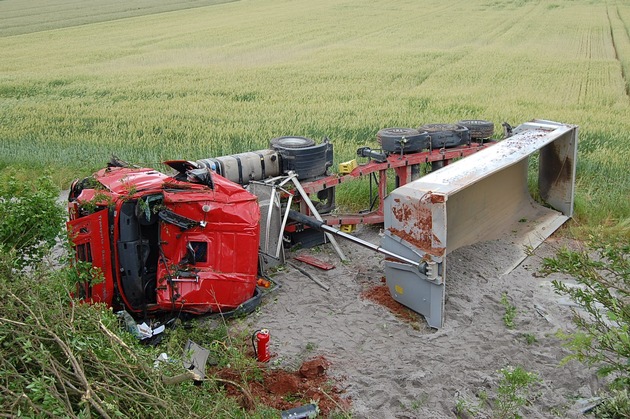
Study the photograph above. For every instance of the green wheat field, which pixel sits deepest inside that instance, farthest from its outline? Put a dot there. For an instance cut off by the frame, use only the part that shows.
(149, 81)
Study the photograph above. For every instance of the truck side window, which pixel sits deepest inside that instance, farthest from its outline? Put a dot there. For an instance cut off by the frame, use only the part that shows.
(199, 250)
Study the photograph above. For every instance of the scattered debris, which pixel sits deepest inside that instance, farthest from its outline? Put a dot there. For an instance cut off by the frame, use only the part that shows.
(307, 411)
(147, 332)
(308, 275)
(142, 331)
(162, 358)
(195, 358)
(313, 261)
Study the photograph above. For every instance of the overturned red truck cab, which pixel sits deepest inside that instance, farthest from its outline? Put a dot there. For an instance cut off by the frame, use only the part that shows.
(165, 243)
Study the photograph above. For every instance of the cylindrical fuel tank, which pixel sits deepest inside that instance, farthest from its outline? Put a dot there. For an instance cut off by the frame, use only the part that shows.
(245, 167)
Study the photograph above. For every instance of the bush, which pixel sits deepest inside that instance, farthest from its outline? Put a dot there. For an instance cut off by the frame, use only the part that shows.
(602, 269)
(65, 359)
(30, 220)
(513, 391)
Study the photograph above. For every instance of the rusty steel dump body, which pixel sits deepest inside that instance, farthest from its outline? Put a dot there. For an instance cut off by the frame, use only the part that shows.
(481, 197)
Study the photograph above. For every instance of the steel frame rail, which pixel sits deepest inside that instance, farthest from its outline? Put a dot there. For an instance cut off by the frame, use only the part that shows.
(401, 164)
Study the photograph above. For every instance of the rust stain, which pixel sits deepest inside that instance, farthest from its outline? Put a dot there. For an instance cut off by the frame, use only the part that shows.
(412, 213)
(402, 213)
(555, 169)
(437, 199)
(416, 223)
(422, 242)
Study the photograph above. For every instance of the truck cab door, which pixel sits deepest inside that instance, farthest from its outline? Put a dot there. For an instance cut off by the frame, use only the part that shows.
(90, 240)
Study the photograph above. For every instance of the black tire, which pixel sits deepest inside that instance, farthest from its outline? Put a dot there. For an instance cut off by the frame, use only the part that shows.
(446, 135)
(479, 129)
(405, 140)
(292, 142)
(302, 156)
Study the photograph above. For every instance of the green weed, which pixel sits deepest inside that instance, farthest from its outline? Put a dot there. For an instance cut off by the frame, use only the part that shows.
(513, 391)
(510, 311)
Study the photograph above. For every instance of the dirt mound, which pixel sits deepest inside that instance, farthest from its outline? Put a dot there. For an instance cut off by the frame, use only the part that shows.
(314, 368)
(283, 390)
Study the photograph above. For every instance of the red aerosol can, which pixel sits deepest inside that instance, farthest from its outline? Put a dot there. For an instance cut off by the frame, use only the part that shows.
(260, 342)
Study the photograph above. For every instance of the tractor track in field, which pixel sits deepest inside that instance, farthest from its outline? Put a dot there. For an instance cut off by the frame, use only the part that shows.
(624, 76)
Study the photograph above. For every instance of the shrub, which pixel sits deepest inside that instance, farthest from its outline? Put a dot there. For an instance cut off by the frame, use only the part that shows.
(30, 220)
(513, 391)
(602, 270)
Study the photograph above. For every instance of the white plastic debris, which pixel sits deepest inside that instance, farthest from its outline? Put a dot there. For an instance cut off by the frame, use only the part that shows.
(163, 357)
(146, 331)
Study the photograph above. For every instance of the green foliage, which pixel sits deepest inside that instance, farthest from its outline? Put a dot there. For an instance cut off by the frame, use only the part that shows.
(100, 201)
(530, 338)
(615, 406)
(510, 311)
(84, 272)
(465, 408)
(61, 358)
(513, 391)
(602, 270)
(30, 219)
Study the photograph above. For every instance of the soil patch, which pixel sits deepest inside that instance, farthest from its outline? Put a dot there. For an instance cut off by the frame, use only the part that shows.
(283, 390)
(380, 295)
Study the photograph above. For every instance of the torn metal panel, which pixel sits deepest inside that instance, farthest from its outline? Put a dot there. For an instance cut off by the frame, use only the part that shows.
(482, 197)
(195, 358)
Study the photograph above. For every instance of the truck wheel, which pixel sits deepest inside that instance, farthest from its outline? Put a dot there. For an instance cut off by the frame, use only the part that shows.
(405, 140)
(302, 156)
(479, 129)
(292, 142)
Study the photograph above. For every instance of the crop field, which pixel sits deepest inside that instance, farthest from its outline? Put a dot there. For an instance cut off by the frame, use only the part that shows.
(189, 79)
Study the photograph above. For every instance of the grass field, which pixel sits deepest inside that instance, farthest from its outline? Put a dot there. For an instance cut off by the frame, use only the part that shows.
(192, 79)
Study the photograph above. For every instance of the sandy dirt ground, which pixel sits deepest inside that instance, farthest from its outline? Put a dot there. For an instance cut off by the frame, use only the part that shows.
(392, 368)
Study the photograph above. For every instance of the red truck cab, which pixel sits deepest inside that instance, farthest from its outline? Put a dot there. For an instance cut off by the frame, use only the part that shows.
(163, 243)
